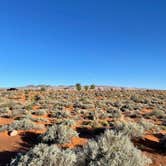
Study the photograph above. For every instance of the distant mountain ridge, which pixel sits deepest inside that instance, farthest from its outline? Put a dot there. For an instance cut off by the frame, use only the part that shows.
(70, 87)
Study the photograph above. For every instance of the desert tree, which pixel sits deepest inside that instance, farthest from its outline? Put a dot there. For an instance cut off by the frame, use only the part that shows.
(92, 86)
(78, 86)
(86, 87)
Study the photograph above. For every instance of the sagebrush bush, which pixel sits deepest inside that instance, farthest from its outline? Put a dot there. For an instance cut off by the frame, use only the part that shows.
(111, 149)
(40, 112)
(59, 114)
(24, 124)
(68, 122)
(114, 113)
(129, 128)
(59, 134)
(147, 125)
(44, 155)
(157, 113)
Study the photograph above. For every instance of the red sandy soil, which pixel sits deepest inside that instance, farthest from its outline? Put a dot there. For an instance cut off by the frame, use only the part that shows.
(149, 145)
(36, 107)
(157, 159)
(146, 111)
(4, 121)
(151, 138)
(10, 146)
(8, 143)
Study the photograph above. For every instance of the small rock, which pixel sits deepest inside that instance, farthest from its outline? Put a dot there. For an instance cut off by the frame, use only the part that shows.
(13, 133)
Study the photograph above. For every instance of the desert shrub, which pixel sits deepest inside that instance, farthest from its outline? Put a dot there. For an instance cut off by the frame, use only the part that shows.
(95, 124)
(127, 107)
(86, 87)
(3, 128)
(157, 113)
(4, 110)
(40, 112)
(37, 98)
(19, 112)
(42, 155)
(100, 104)
(24, 124)
(111, 149)
(58, 134)
(100, 114)
(134, 114)
(43, 89)
(135, 98)
(68, 122)
(29, 107)
(87, 106)
(129, 128)
(59, 114)
(96, 114)
(82, 105)
(40, 120)
(87, 123)
(147, 125)
(117, 104)
(104, 123)
(89, 115)
(114, 113)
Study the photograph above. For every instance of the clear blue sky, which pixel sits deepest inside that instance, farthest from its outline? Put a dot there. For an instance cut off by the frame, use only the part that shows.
(109, 42)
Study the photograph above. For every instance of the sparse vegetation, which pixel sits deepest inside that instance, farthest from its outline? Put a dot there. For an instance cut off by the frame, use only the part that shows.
(55, 117)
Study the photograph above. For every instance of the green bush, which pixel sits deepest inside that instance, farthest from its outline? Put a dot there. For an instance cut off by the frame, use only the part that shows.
(92, 86)
(78, 86)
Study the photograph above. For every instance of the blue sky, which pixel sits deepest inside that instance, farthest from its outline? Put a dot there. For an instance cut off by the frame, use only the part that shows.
(109, 42)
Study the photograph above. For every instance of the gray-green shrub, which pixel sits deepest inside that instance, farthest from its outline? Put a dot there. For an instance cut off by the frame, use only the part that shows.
(129, 128)
(58, 134)
(44, 155)
(111, 149)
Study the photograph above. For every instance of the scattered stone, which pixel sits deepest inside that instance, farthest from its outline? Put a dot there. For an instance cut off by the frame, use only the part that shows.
(13, 133)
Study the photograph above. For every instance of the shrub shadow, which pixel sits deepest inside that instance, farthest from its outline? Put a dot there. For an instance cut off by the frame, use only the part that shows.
(29, 139)
(89, 133)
